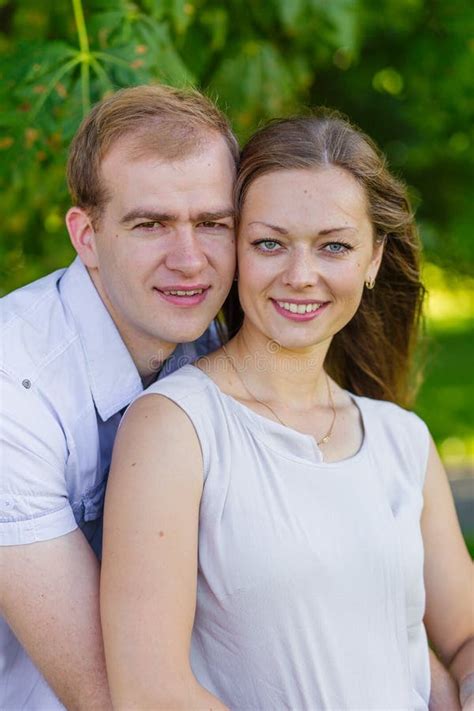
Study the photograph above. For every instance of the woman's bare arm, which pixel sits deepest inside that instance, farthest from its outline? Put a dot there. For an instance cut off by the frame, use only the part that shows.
(449, 581)
(149, 569)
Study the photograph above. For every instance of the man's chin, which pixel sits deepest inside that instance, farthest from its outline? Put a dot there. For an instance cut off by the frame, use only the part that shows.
(185, 335)
(191, 336)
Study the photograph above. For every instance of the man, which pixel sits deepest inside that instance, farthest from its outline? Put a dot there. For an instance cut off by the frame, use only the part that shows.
(151, 173)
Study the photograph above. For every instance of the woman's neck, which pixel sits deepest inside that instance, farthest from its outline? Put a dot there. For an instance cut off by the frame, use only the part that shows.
(280, 374)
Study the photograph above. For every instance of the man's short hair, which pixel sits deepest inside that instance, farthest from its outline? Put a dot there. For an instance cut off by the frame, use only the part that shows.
(159, 120)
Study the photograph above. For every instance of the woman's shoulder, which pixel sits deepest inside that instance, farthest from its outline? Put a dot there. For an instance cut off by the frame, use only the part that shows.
(188, 390)
(189, 395)
(178, 394)
(397, 433)
(185, 383)
(390, 412)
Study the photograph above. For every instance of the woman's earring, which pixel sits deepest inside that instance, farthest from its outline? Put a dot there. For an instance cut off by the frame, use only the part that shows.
(236, 277)
(370, 283)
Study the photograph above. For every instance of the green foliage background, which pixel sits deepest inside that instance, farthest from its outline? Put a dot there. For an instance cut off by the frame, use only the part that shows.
(402, 69)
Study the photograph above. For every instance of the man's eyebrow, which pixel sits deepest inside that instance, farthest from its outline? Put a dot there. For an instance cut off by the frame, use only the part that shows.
(144, 213)
(283, 231)
(214, 215)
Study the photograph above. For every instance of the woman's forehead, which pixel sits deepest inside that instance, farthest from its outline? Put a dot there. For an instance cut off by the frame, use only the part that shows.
(328, 193)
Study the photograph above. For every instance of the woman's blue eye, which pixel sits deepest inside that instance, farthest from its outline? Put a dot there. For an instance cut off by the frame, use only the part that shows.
(337, 247)
(267, 245)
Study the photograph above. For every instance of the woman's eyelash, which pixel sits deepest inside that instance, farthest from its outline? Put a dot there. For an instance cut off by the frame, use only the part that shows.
(346, 247)
(258, 244)
(272, 245)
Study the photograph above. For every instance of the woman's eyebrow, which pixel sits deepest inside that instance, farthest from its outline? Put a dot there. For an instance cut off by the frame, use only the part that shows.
(337, 229)
(283, 231)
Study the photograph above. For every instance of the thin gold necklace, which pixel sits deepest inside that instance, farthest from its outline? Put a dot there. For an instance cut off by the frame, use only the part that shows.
(323, 440)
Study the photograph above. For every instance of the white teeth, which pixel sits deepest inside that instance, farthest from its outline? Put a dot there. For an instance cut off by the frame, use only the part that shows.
(298, 308)
(183, 293)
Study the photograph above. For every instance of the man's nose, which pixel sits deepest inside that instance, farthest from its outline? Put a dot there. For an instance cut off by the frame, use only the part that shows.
(187, 255)
(301, 270)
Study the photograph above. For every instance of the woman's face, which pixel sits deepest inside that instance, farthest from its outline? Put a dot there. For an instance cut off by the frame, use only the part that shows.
(305, 249)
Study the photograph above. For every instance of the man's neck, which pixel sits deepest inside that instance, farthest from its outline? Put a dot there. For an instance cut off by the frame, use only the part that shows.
(148, 354)
(147, 381)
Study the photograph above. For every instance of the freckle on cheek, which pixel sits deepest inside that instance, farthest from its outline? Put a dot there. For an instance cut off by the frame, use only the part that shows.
(161, 534)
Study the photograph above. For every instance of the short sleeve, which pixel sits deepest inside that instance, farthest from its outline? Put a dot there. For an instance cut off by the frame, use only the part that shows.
(420, 446)
(34, 503)
(400, 436)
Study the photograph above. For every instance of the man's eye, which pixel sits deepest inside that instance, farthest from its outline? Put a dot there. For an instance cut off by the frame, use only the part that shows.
(267, 245)
(148, 225)
(337, 247)
(209, 225)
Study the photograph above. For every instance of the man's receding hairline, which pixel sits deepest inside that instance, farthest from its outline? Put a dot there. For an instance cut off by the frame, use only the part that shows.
(138, 146)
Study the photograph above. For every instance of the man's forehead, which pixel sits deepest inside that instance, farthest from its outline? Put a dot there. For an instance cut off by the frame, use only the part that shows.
(133, 150)
(198, 184)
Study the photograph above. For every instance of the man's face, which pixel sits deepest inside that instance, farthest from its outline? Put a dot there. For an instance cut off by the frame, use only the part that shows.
(164, 245)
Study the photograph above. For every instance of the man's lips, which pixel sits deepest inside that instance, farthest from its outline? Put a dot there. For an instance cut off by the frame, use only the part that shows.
(299, 309)
(184, 295)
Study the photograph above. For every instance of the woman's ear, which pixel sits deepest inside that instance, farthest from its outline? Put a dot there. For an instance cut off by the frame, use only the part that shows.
(82, 235)
(375, 262)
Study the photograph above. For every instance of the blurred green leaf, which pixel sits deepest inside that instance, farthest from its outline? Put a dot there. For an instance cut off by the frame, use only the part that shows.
(182, 14)
(290, 13)
(216, 19)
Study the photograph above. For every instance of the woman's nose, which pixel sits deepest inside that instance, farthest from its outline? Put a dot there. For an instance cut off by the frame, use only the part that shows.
(301, 270)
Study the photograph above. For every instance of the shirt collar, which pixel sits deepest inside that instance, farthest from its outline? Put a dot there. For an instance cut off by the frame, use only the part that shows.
(113, 376)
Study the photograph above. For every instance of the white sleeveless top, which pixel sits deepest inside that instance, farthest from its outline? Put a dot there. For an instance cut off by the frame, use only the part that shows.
(310, 582)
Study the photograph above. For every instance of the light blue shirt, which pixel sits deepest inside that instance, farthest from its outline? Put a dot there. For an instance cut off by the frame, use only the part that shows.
(65, 379)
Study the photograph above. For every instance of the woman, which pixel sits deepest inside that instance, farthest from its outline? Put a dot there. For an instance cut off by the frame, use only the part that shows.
(263, 547)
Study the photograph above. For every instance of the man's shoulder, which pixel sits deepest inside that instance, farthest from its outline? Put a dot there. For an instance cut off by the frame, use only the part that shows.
(35, 327)
(28, 297)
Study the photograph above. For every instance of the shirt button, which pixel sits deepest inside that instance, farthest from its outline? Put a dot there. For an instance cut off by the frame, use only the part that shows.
(26, 383)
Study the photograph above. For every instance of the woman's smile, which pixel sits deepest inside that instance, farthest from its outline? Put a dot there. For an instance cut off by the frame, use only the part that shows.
(302, 310)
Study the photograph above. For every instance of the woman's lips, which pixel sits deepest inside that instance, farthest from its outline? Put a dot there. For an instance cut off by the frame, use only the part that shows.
(304, 310)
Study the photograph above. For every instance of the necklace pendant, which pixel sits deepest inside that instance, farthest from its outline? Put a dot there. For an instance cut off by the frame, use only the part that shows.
(324, 440)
